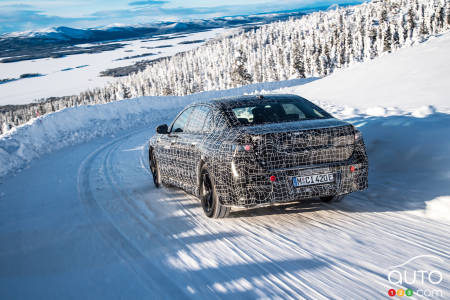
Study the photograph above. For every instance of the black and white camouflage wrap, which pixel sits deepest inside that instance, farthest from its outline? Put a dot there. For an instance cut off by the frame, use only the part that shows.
(212, 136)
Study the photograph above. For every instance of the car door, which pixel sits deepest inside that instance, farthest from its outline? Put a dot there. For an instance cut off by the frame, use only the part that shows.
(191, 143)
(163, 155)
(174, 154)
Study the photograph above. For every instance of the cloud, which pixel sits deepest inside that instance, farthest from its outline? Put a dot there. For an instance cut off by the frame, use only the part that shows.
(175, 12)
(152, 11)
(30, 19)
(21, 17)
(12, 6)
(32, 15)
(147, 2)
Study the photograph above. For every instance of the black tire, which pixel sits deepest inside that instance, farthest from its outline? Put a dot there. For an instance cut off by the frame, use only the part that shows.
(154, 168)
(208, 197)
(329, 199)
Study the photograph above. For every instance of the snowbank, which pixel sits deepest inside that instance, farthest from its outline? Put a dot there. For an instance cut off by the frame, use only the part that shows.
(408, 78)
(409, 163)
(409, 147)
(424, 111)
(404, 123)
(439, 208)
(408, 150)
(400, 102)
(75, 125)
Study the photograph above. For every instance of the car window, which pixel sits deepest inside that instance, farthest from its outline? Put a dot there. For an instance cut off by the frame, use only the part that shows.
(277, 112)
(214, 121)
(209, 122)
(290, 109)
(180, 122)
(197, 119)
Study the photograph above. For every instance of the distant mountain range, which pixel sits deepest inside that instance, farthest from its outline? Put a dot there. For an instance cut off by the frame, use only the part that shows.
(62, 41)
(119, 31)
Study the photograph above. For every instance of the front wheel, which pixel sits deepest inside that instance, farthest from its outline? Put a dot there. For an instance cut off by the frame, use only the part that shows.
(210, 203)
(154, 168)
(329, 199)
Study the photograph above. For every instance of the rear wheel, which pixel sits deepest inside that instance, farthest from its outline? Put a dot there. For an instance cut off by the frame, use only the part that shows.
(329, 199)
(210, 203)
(154, 168)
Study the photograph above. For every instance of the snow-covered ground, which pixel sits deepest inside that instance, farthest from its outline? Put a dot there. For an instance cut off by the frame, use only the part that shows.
(86, 222)
(73, 74)
(409, 78)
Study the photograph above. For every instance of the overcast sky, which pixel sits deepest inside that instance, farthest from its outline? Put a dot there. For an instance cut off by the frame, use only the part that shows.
(33, 14)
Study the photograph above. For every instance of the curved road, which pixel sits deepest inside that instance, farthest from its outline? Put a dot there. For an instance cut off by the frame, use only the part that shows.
(87, 222)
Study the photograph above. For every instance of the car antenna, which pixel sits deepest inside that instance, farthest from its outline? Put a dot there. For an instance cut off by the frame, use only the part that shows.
(260, 97)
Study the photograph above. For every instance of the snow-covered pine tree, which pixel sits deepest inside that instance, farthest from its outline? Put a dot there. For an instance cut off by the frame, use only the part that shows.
(387, 40)
(298, 64)
(314, 45)
(240, 74)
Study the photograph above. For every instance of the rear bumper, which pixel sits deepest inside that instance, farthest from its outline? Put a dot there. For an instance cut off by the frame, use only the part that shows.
(258, 190)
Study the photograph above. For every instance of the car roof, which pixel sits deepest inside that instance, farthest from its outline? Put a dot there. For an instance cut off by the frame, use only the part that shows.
(245, 99)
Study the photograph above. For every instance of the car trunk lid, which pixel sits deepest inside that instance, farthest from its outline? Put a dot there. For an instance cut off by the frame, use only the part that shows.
(295, 144)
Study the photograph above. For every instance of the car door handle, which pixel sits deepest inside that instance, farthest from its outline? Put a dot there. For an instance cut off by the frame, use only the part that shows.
(193, 145)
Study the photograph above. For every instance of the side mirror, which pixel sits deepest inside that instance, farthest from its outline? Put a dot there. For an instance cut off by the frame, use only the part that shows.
(162, 129)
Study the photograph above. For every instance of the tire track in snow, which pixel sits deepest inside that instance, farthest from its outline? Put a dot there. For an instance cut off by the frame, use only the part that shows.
(156, 282)
(342, 266)
(363, 220)
(241, 236)
(296, 281)
(291, 289)
(160, 233)
(398, 229)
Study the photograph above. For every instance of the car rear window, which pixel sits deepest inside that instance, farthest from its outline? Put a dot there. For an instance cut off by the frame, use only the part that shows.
(278, 112)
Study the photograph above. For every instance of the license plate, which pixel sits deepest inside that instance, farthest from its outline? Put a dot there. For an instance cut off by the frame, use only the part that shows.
(313, 179)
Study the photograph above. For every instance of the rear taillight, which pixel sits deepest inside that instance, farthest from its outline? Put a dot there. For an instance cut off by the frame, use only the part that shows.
(242, 148)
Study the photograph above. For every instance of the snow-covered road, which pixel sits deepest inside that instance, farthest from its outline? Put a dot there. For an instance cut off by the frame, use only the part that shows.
(86, 222)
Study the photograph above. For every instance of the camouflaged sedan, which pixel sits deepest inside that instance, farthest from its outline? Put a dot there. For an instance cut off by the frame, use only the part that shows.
(258, 150)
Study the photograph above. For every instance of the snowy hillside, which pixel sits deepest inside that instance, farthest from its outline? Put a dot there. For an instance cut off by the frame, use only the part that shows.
(406, 79)
(77, 58)
(312, 46)
(382, 87)
(51, 132)
(122, 31)
(80, 217)
(78, 72)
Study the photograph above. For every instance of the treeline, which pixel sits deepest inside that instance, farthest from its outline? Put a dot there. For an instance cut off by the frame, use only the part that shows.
(314, 45)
